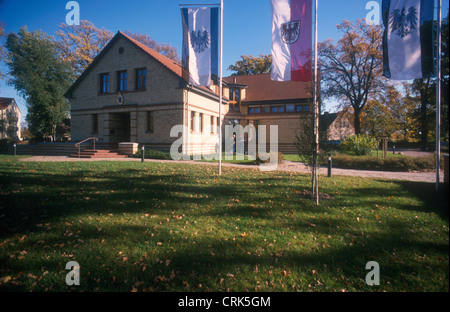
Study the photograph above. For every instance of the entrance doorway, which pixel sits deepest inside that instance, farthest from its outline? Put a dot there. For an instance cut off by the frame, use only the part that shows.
(119, 127)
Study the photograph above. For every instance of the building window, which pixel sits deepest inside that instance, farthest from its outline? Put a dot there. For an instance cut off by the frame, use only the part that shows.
(212, 125)
(277, 109)
(290, 108)
(150, 122)
(192, 121)
(141, 78)
(234, 99)
(122, 81)
(298, 108)
(254, 110)
(95, 124)
(201, 122)
(104, 83)
(265, 109)
(306, 108)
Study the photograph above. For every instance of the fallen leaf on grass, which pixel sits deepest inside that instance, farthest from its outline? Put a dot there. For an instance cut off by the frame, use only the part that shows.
(5, 279)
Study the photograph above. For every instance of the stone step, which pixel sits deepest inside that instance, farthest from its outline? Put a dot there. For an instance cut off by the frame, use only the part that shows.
(98, 153)
(103, 150)
(98, 156)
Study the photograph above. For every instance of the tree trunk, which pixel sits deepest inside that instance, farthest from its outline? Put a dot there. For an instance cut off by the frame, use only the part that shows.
(423, 125)
(357, 121)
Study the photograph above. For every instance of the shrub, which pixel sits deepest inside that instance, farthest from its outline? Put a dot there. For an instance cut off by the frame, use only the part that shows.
(404, 163)
(360, 145)
(3, 146)
(153, 154)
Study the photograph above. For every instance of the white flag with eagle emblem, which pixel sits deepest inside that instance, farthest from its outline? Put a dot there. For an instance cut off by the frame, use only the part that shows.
(200, 44)
(291, 40)
(408, 39)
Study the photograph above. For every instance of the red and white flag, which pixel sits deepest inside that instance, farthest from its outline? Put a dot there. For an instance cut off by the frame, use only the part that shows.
(291, 40)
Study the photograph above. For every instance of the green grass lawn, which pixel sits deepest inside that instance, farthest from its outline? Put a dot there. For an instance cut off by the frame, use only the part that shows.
(136, 226)
(239, 159)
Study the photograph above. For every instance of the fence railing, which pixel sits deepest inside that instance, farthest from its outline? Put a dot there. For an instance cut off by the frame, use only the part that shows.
(85, 140)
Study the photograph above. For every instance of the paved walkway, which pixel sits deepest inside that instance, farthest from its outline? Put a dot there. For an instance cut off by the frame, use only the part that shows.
(285, 166)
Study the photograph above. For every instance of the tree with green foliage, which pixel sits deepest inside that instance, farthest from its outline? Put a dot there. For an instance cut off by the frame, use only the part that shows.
(250, 65)
(40, 77)
(445, 78)
(2, 48)
(424, 90)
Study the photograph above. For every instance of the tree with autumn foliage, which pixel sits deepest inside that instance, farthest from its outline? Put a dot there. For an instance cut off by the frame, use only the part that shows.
(250, 65)
(351, 69)
(80, 44)
(390, 114)
(164, 49)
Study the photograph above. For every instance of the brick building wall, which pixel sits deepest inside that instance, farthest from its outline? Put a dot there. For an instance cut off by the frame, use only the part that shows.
(147, 116)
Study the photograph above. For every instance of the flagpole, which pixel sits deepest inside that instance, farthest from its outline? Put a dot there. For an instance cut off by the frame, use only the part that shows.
(316, 112)
(220, 87)
(438, 95)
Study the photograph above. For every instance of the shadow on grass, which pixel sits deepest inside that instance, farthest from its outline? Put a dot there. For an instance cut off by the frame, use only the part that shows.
(184, 256)
(433, 201)
(428, 199)
(39, 195)
(205, 264)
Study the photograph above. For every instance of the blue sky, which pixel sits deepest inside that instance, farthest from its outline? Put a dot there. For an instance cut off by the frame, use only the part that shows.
(247, 23)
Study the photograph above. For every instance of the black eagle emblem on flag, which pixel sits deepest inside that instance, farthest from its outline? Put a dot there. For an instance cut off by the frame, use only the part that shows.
(402, 21)
(199, 41)
(290, 31)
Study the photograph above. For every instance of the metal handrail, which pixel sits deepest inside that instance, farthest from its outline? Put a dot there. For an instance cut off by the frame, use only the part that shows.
(79, 144)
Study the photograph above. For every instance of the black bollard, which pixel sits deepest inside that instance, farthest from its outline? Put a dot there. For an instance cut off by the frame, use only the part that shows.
(143, 156)
(329, 165)
(15, 149)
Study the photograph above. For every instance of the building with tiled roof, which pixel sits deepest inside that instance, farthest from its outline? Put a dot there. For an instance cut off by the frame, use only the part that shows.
(9, 119)
(258, 100)
(131, 93)
(336, 126)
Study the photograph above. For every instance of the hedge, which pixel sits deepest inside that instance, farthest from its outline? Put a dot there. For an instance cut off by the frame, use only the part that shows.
(404, 163)
(153, 154)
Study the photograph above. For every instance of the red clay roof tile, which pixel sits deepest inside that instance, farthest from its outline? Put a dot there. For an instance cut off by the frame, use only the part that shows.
(262, 88)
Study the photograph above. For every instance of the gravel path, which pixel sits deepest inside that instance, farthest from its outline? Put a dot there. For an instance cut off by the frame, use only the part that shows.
(285, 166)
